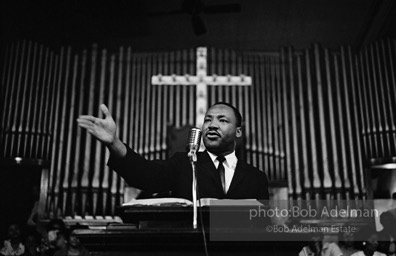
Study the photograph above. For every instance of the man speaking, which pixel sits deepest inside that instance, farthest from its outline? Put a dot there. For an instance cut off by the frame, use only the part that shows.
(219, 173)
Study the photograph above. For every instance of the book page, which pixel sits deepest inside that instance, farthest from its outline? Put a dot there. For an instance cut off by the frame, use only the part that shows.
(231, 202)
(184, 202)
(158, 202)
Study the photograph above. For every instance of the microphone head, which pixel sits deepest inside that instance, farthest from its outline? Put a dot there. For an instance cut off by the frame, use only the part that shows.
(194, 139)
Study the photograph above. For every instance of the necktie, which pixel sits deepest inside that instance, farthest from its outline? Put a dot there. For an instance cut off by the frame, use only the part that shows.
(221, 171)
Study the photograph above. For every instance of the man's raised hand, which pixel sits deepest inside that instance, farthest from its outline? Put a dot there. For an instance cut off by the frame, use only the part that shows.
(102, 129)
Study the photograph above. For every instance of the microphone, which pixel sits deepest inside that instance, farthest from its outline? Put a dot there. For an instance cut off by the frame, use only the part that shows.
(194, 140)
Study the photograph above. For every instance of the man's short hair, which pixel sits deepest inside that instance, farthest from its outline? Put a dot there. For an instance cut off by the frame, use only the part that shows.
(238, 115)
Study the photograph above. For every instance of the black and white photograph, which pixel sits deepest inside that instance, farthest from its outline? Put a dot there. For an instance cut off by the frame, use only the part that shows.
(198, 127)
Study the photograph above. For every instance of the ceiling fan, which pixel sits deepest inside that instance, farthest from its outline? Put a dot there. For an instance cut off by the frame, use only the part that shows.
(195, 8)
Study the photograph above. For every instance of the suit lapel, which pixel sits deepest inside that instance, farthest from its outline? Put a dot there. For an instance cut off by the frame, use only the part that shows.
(239, 176)
(208, 169)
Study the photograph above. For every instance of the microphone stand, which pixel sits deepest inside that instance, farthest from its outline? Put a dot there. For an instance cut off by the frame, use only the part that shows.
(193, 159)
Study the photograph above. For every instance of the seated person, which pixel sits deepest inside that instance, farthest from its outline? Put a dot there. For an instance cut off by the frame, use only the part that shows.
(367, 242)
(317, 247)
(32, 240)
(13, 245)
(387, 236)
(73, 247)
(346, 241)
(54, 239)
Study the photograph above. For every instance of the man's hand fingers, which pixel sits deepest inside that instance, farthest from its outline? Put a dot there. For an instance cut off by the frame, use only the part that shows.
(86, 117)
(89, 120)
(85, 125)
(105, 110)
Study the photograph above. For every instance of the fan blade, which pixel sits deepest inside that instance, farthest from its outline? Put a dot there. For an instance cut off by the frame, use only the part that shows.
(198, 25)
(222, 8)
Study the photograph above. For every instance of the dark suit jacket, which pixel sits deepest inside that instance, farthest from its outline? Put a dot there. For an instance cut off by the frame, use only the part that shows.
(175, 175)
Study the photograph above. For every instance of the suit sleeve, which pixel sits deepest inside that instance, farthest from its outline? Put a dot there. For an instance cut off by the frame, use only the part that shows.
(151, 176)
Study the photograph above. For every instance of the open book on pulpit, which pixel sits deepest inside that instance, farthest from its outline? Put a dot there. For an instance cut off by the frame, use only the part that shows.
(171, 209)
(167, 202)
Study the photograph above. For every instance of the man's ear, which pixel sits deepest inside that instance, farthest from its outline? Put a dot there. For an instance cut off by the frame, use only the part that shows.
(239, 132)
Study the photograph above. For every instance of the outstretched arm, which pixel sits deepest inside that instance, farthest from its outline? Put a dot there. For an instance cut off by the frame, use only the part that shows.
(104, 130)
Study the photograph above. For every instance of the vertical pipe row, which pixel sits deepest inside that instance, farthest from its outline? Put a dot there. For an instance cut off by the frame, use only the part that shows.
(99, 163)
(290, 108)
(274, 116)
(71, 122)
(156, 117)
(258, 87)
(5, 88)
(15, 87)
(39, 123)
(33, 121)
(304, 165)
(55, 138)
(146, 107)
(16, 140)
(253, 112)
(333, 137)
(281, 121)
(46, 112)
(19, 87)
(320, 84)
(390, 58)
(192, 95)
(389, 95)
(165, 110)
(346, 98)
(184, 90)
(78, 153)
(357, 151)
(8, 89)
(51, 128)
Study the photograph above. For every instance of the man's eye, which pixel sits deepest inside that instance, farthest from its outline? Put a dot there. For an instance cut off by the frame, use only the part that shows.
(223, 121)
(206, 120)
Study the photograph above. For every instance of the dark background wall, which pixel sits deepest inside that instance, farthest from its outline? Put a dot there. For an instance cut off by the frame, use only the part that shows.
(165, 25)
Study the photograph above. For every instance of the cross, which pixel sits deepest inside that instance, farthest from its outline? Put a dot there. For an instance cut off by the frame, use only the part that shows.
(201, 80)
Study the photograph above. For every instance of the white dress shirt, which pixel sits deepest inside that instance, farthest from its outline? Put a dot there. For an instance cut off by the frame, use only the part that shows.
(229, 164)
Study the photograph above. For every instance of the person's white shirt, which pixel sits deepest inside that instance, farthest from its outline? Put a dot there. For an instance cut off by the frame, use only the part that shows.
(9, 250)
(229, 164)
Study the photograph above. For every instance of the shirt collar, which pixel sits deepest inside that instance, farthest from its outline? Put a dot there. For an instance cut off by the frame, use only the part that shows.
(231, 158)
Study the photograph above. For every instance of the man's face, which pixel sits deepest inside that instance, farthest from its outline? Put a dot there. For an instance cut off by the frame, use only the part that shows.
(220, 130)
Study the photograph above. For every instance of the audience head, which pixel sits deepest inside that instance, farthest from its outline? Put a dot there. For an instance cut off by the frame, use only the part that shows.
(57, 233)
(316, 242)
(74, 242)
(346, 239)
(388, 221)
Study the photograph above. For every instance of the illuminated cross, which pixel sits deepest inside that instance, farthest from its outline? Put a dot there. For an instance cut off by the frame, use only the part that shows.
(201, 80)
